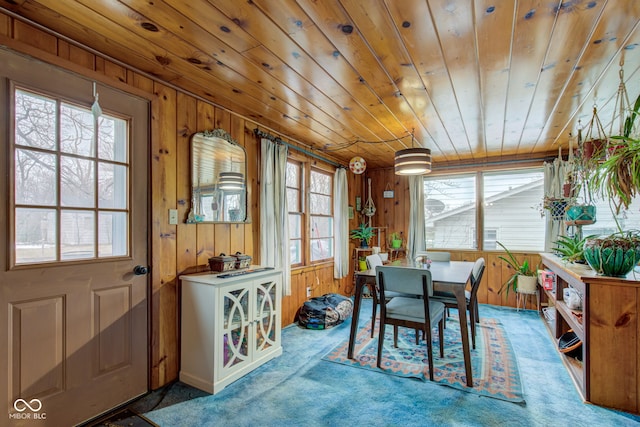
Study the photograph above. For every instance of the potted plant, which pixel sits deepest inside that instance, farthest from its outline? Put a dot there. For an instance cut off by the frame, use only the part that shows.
(617, 179)
(571, 248)
(524, 279)
(581, 209)
(396, 240)
(614, 255)
(364, 233)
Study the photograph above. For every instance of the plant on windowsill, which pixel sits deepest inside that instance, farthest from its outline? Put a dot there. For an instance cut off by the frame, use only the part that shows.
(524, 279)
(364, 233)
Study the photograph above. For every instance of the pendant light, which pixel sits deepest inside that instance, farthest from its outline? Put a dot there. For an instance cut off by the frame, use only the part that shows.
(413, 161)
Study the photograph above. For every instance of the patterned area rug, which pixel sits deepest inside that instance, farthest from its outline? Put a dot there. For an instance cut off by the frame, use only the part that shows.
(495, 369)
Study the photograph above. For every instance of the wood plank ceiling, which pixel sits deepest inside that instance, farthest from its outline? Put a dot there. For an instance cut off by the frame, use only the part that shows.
(475, 81)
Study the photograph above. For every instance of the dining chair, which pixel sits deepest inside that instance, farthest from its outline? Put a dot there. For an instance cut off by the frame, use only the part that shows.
(471, 296)
(374, 261)
(411, 312)
(435, 256)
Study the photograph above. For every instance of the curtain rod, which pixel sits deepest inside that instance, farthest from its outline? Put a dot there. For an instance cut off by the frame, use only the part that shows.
(437, 168)
(278, 140)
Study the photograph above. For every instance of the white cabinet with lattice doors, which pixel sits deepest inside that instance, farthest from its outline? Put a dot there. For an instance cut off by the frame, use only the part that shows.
(230, 326)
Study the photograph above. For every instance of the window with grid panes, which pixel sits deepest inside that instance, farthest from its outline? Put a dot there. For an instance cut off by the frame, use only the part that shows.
(294, 182)
(321, 215)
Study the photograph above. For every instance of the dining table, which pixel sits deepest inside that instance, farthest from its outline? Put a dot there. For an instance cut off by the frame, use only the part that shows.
(447, 276)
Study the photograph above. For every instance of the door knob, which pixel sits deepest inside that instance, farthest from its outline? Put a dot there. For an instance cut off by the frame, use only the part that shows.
(140, 270)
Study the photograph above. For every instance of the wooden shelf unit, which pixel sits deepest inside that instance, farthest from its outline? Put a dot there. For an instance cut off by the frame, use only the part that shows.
(609, 373)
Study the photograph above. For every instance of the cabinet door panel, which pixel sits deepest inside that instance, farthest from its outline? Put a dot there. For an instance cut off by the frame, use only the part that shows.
(267, 308)
(236, 324)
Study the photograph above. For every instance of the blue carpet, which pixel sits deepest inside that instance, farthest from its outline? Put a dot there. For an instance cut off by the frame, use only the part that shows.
(494, 366)
(299, 389)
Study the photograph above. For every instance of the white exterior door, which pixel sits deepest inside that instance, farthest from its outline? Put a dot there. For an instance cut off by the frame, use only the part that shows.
(73, 334)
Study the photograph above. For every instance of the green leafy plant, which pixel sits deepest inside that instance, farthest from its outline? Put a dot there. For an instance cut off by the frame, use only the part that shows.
(520, 269)
(364, 233)
(571, 248)
(618, 177)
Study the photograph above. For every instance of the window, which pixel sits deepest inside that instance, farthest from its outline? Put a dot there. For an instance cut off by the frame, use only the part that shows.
(509, 211)
(294, 180)
(321, 215)
(450, 211)
(507, 200)
(606, 221)
(71, 179)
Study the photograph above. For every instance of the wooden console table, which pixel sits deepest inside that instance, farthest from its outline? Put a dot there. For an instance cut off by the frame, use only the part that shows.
(609, 328)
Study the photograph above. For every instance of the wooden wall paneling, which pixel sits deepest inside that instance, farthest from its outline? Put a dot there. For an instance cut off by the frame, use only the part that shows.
(76, 55)
(108, 68)
(252, 228)
(239, 231)
(222, 239)
(494, 279)
(387, 205)
(139, 81)
(35, 37)
(164, 313)
(205, 237)
(5, 25)
(401, 206)
(186, 254)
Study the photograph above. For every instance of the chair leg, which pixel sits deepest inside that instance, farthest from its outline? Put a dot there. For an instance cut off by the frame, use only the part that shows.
(395, 336)
(429, 353)
(380, 343)
(441, 336)
(472, 320)
(374, 292)
(475, 303)
(418, 336)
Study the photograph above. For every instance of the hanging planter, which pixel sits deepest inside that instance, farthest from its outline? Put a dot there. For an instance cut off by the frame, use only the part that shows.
(556, 208)
(581, 215)
(593, 148)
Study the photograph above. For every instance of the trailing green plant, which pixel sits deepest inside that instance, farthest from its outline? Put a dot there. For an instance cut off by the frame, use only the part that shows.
(520, 268)
(364, 233)
(571, 248)
(617, 178)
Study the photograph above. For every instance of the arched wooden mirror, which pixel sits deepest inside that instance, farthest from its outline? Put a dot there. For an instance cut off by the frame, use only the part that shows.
(218, 178)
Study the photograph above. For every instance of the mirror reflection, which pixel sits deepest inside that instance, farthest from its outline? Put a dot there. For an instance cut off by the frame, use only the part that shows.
(218, 178)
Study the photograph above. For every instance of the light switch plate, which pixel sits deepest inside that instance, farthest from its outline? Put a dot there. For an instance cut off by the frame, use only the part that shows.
(173, 216)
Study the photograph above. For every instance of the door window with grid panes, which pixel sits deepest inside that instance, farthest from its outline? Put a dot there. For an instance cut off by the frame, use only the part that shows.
(70, 181)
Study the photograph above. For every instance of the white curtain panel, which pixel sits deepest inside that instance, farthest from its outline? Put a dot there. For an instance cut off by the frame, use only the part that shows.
(274, 212)
(340, 224)
(416, 240)
(554, 177)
